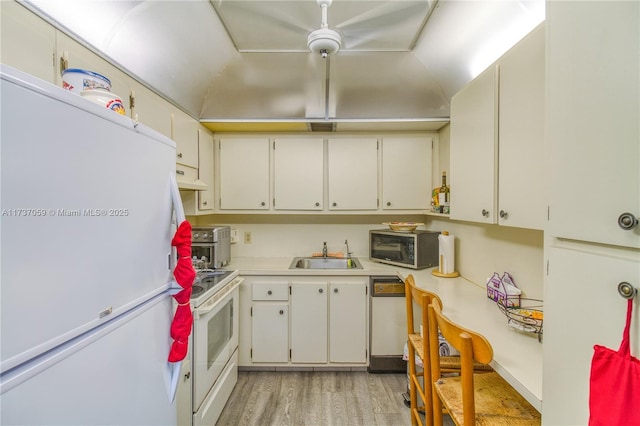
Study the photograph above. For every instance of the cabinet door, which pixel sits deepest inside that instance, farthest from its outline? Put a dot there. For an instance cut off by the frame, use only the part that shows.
(522, 181)
(244, 173)
(582, 308)
(406, 173)
(353, 173)
(474, 150)
(184, 132)
(348, 322)
(151, 110)
(205, 169)
(309, 322)
(270, 332)
(28, 42)
(80, 57)
(592, 120)
(298, 174)
(184, 405)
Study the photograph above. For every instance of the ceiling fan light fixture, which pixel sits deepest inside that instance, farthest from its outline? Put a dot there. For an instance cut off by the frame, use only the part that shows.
(324, 41)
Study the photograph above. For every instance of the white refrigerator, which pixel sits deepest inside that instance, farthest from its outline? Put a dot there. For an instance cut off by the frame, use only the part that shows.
(86, 261)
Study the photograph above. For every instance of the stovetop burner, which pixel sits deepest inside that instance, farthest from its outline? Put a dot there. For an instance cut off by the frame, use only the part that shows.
(196, 291)
(206, 284)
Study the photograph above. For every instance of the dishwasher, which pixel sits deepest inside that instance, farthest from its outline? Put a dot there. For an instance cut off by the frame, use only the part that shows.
(387, 325)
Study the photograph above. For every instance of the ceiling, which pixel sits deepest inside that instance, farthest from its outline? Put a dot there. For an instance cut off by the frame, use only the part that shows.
(245, 63)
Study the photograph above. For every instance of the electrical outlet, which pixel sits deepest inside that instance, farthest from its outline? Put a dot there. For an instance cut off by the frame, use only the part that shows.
(247, 237)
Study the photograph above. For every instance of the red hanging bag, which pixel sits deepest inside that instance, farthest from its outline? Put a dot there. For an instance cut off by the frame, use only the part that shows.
(614, 396)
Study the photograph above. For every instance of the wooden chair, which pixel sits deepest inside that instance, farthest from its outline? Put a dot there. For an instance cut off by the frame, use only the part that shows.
(473, 399)
(419, 345)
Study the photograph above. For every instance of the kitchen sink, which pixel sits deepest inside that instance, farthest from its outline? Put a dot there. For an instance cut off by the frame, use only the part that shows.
(325, 263)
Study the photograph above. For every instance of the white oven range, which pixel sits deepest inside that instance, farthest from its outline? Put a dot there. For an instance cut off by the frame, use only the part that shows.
(214, 354)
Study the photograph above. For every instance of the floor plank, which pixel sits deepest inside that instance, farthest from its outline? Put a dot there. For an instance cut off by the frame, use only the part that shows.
(332, 398)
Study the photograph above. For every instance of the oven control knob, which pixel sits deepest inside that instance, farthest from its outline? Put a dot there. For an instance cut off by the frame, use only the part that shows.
(196, 236)
(204, 236)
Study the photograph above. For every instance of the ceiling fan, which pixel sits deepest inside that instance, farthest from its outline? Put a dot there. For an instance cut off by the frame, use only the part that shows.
(324, 41)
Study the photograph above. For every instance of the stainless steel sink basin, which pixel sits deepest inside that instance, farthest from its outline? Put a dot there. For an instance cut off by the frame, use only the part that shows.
(324, 263)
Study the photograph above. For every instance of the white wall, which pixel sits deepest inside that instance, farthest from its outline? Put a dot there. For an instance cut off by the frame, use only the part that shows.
(480, 249)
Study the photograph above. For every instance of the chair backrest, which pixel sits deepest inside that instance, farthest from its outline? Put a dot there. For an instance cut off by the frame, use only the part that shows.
(472, 347)
(423, 299)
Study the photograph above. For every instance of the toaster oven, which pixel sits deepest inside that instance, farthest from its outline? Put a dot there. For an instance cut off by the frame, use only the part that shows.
(416, 249)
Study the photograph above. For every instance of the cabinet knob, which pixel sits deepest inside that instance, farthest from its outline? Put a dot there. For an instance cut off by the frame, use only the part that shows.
(626, 290)
(179, 155)
(263, 204)
(335, 290)
(334, 204)
(388, 203)
(269, 292)
(627, 221)
(320, 290)
(317, 204)
(485, 212)
(187, 375)
(204, 203)
(503, 214)
(281, 312)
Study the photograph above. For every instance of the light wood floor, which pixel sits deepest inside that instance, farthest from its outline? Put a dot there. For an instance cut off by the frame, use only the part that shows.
(317, 398)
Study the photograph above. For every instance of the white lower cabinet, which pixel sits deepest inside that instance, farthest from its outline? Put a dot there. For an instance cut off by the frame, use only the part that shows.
(303, 321)
(582, 308)
(270, 321)
(270, 337)
(347, 321)
(309, 322)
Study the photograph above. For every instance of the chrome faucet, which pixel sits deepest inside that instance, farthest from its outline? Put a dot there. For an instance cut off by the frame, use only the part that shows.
(348, 252)
(324, 249)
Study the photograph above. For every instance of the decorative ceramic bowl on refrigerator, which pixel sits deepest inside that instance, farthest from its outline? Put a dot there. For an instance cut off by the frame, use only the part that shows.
(106, 99)
(78, 80)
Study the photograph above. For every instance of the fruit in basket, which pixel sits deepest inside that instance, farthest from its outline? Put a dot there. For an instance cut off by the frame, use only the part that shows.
(530, 313)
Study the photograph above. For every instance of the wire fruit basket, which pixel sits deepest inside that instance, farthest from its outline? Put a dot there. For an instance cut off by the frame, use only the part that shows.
(527, 317)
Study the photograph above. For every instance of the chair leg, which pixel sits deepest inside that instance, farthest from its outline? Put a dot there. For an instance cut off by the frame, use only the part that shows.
(437, 408)
(412, 385)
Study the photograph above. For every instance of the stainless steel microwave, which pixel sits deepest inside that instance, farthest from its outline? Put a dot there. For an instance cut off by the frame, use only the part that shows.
(417, 249)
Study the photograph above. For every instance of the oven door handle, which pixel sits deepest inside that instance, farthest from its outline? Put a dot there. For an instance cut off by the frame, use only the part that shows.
(214, 301)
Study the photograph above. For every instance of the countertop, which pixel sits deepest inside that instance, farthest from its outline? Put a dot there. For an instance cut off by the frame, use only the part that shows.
(517, 355)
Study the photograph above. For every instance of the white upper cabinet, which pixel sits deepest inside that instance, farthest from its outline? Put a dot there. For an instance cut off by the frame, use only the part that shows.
(184, 132)
(28, 43)
(353, 173)
(244, 173)
(406, 172)
(522, 178)
(595, 163)
(205, 169)
(497, 141)
(298, 173)
(473, 150)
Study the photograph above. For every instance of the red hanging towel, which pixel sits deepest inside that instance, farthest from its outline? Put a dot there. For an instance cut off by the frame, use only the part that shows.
(184, 275)
(614, 397)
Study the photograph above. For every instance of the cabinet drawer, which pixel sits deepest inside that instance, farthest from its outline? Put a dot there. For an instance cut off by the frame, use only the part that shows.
(270, 291)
